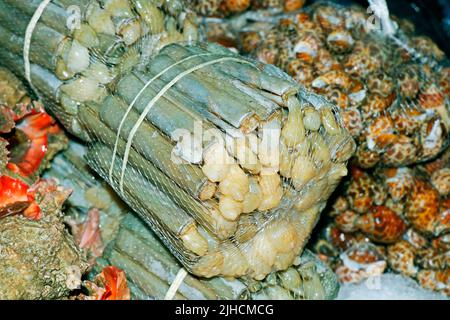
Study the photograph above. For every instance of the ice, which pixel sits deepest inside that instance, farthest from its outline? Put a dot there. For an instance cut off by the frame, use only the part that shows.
(387, 287)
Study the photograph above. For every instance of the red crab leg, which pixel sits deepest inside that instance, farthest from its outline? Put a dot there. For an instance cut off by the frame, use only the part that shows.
(36, 127)
(15, 197)
(115, 283)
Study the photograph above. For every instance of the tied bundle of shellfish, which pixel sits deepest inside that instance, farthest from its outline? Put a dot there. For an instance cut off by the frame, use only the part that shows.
(393, 89)
(80, 46)
(396, 218)
(228, 160)
(150, 267)
(136, 250)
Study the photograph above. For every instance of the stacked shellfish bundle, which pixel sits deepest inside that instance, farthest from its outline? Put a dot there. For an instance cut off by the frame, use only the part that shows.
(136, 250)
(149, 266)
(227, 159)
(393, 92)
(76, 48)
(220, 199)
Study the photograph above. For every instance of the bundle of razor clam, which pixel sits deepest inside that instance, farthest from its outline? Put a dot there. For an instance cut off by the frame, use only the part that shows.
(150, 268)
(391, 83)
(78, 47)
(228, 160)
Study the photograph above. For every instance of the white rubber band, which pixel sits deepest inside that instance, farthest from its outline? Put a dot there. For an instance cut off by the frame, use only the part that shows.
(113, 159)
(381, 10)
(156, 98)
(182, 273)
(27, 41)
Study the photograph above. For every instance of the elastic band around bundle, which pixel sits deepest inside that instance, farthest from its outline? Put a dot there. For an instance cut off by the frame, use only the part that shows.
(113, 159)
(157, 97)
(27, 41)
(182, 273)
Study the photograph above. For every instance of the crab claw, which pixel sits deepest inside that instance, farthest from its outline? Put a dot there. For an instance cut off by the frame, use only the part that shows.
(36, 128)
(110, 284)
(115, 283)
(17, 197)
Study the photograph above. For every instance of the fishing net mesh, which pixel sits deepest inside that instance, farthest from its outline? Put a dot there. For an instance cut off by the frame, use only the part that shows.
(390, 82)
(218, 202)
(229, 160)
